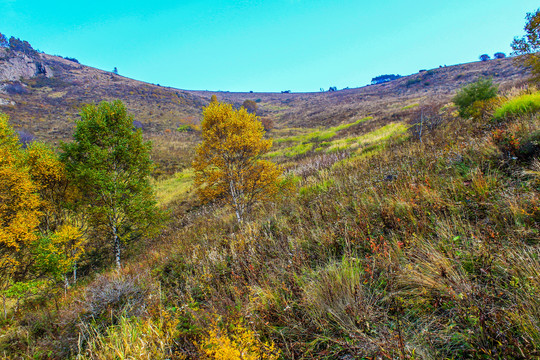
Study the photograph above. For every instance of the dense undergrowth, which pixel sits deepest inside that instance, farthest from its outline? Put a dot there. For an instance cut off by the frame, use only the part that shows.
(423, 250)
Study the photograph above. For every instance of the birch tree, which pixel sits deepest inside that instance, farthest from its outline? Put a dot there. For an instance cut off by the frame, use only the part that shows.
(228, 162)
(110, 164)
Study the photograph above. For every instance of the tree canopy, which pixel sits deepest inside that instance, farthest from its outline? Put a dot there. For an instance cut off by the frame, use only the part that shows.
(529, 44)
(109, 161)
(228, 162)
(384, 78)
(3, 40)
(19, 204)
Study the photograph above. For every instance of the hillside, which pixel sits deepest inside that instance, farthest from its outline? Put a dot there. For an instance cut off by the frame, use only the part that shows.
(401, 230)
(42, 95)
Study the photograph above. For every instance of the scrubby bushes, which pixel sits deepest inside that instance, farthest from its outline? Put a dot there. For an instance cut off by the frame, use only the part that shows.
(469, 97)
(235, 342)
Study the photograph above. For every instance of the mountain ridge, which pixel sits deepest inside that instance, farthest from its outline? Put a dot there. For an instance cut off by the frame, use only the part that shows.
(43, 94)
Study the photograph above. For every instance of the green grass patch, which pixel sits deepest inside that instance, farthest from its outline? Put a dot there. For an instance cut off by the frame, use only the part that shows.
(346, 126)
(320, 135)
(316, 189)
(411, 106)
(272, 107)
(376, 136)
(292, 151)
(521, 105)
(173, 188)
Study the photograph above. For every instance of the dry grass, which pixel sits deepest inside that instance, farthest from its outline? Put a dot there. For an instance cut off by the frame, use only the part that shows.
(406, 249)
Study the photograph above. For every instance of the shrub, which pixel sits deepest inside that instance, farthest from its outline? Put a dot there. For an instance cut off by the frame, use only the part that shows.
(108, 299)
(186, 128)
(521, 105)
(250, 106)
(235, 342)
(411, 82)
(268, 124)
(72, 59)
(483, 89)
(484, 57)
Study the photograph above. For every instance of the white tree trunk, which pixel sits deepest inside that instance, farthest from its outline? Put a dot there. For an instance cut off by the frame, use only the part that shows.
(116, 242)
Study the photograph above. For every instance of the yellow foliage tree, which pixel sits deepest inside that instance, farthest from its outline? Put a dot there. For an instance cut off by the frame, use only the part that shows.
(228, 162)
(529, 45)
(238, 343)
(19, 204)
(49, 175)
(56, 254)
(62, 242)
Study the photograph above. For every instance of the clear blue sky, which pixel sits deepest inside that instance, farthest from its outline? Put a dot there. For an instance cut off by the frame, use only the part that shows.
(269, 45)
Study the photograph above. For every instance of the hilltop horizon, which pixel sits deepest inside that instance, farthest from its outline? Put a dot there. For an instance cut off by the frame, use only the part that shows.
(284, 45)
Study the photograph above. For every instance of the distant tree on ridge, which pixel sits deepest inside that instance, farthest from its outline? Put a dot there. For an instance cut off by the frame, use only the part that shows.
(384, 78)
(484, 57)
(3, 41)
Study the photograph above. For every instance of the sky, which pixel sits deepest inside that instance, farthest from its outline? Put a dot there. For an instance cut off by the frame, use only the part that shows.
(266, 46)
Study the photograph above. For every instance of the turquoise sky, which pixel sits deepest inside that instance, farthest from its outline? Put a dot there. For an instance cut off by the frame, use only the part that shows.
(266, 45)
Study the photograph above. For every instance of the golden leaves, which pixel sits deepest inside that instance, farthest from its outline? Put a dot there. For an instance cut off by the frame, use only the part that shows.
(227, 162)
(19, 203)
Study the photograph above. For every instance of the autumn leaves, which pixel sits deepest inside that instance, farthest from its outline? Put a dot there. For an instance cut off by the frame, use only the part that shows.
(228, 162)
(55, 206)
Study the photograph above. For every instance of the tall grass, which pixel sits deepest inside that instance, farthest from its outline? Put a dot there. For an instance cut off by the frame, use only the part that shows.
(131, 338)
(424, 250)
(174, 188)
(519, 106)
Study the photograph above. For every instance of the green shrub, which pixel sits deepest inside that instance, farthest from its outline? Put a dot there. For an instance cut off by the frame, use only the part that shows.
(411, 82)
(521, 105)
(185, 128)
(478, 91)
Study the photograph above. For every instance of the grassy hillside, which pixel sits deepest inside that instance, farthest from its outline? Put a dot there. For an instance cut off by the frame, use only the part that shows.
(43, 95)
(412, 233)
(46, 103)
(398, 244)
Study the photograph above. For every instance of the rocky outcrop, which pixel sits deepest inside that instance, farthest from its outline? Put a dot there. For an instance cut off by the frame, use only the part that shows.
(4, 102)
(14, 66)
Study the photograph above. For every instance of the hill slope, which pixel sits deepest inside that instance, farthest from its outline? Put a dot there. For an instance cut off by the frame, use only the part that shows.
(396, 245)
(43, 94)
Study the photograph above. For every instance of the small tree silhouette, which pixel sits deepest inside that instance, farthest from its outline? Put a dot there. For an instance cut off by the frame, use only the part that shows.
(385, 78)
(3, 40)
(499, 55)
(484, 57)
(21, 46)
